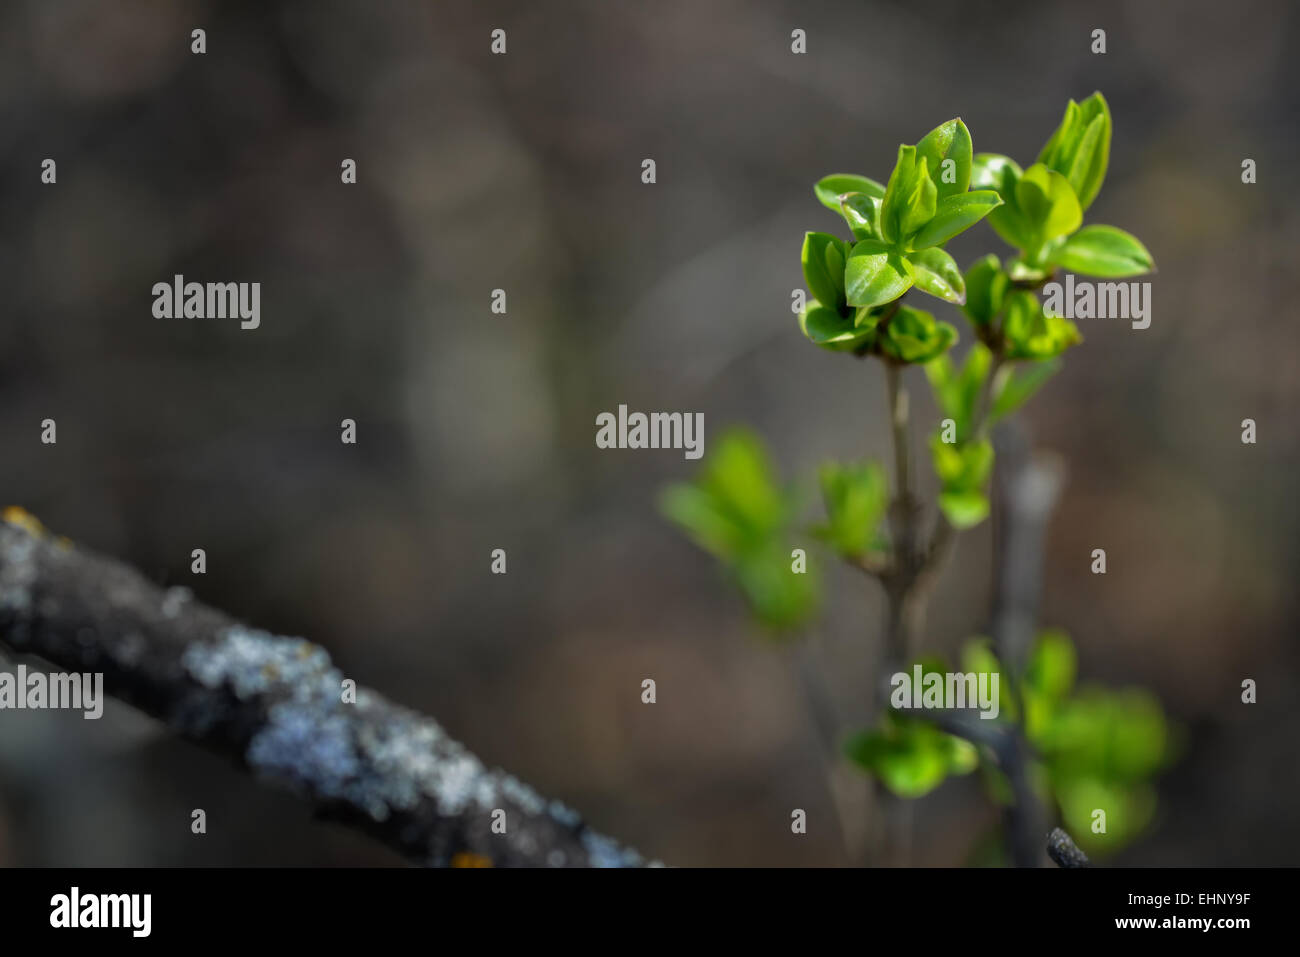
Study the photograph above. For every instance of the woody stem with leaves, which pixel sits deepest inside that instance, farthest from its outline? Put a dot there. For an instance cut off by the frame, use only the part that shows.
(737, 510)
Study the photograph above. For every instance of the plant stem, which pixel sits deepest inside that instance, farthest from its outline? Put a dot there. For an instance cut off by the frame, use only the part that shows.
(898, 416)
(902, 517)
(898, 585)
(985, 404)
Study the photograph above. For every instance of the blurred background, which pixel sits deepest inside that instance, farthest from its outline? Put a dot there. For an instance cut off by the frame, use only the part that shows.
(475, 430)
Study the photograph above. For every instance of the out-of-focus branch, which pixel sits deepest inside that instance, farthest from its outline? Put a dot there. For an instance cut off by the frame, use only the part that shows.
(845, 785)
(278, 706)
(1027, 490)
(1028, 487)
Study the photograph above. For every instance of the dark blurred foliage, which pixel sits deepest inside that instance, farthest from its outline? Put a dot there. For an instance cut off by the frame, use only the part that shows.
(476, 431)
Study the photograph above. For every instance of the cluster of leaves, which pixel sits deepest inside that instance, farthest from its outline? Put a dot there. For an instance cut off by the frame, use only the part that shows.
(1043, 206)
(1099, 748)
(738, 511)
(939, 188)
(908, 754)
(898, 235)
(1095, 748)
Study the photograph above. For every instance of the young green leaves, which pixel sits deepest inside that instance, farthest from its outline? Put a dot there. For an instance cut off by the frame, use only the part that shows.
(1097, 747)
(828, 320)
(736, 511)
(963, 459)
(1031, 333)
(910, 756)
(1092, 749)
(823, 268)
(963, 470)
(1043, 206)
(899, 228)
(1079, 149)
(1039, 205)
(914, 335)
(1012, 320)
(857, 497)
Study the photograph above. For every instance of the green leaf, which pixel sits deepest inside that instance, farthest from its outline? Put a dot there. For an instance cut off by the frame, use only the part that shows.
(963, 757)
(1047, 203)
(1103, 251)
(913, 335)
(937, 273)
(956, 391)
(875, 274)
(1101, 748)
(977, 656)
(862, 213)
(964, 509)
(1001, 174)
(961, 467)
(821, 254)
(830, 330)
(734, 505)
(955, 213)
(1032, 334)
(1129, 808)
(1082, 170)
(921, 201)
(1115, 735)
(910, 756)
(703, 520)
(1053, 152)
(1012, 389)
(1090, 170)
(902, 181)
(997, 172)
(986, 287)
(779, 598)
(948, 141)
(735, 510)
(856, 498)
(1052, 665)
(829, 189)
(1079, 149)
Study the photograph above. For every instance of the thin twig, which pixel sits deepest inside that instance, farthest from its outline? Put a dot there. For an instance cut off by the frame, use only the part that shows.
(845, 786)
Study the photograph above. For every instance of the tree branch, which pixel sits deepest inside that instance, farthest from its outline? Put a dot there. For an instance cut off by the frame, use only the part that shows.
(275, 705)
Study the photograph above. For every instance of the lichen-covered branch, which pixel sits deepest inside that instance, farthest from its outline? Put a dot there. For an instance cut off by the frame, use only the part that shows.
(278, 706)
